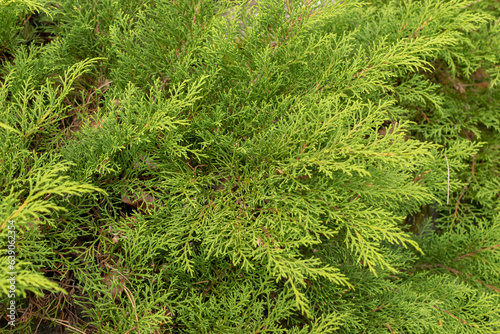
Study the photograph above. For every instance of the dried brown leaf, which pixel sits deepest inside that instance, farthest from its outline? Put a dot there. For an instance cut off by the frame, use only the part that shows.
(108, 280)
(142, 203)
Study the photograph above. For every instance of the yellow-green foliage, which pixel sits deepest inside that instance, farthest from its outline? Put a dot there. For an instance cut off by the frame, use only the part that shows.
(196, 167)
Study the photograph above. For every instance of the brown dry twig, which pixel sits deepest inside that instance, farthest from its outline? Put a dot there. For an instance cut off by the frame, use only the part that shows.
(132, 301)
(65, 324)
(458, 201)
(476, 251)
(389, 328)
(303, 148)
(454, 316)
(378, 308)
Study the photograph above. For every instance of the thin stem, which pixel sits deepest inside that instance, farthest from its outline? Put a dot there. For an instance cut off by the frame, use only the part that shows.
(448, 166)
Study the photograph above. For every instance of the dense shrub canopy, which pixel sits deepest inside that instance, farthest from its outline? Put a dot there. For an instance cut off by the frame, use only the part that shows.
(238, 167)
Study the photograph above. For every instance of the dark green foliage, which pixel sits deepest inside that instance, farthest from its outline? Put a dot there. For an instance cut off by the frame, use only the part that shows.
(202, 166)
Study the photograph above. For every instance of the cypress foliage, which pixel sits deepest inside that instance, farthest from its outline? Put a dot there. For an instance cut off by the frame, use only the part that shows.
(211, 167)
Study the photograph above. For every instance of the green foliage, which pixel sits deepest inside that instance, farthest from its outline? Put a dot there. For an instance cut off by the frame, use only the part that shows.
(202, 166)
(14, 15)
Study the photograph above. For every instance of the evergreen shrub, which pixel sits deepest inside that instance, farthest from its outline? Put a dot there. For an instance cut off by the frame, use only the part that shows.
(205, 166)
